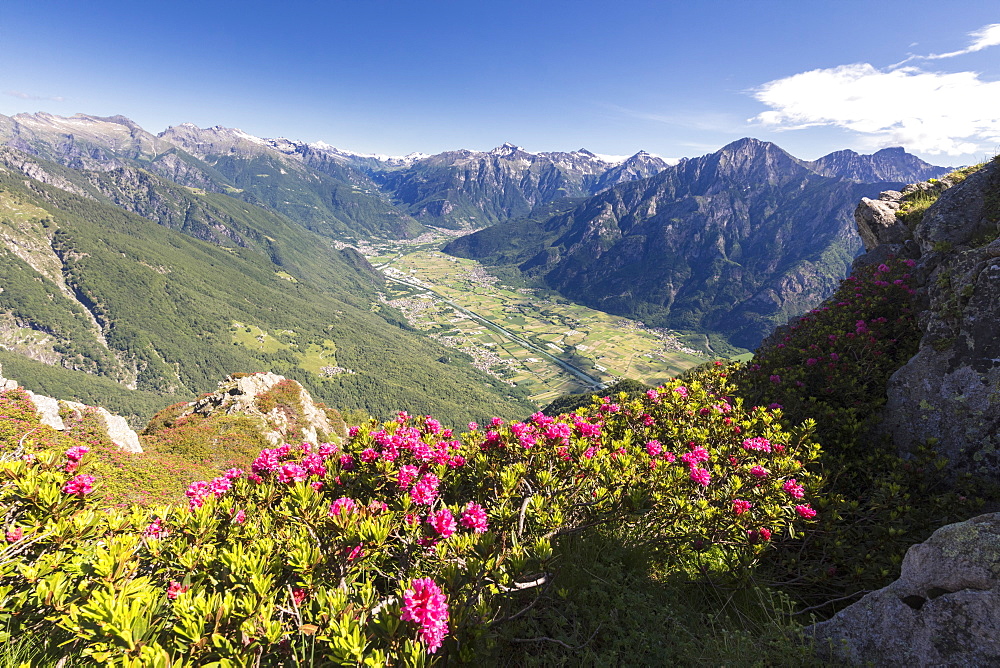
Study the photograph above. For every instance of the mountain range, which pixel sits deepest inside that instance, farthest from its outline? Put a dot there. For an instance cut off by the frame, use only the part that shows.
(731, 243)
(166, 261)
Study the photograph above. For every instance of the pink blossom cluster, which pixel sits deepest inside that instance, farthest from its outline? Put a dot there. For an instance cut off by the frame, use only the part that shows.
(198, 492)
(426, 605)
(425, 490)
(80, 485)
(474, 517)
(73, 457)
(156, 529)
(442, 521)
(175, 589)
(793, 488)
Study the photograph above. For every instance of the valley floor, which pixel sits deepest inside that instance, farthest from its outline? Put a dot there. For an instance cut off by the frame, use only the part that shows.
(528, 337)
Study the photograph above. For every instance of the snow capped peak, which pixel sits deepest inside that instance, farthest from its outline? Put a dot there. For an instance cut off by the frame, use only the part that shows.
(506, 149)
(611, 159)
(239, 134)
(381, 157)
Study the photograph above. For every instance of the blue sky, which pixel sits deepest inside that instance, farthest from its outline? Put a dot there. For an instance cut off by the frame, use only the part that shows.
(673, 78)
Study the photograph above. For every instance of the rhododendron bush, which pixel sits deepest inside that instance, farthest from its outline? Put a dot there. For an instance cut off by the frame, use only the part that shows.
(404, 544)
(833, 365)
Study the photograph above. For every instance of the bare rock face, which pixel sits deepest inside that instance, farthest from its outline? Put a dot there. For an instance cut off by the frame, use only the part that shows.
(48, 410)
(877, 222)
(950, 390)
(242, 393)
(944, 610)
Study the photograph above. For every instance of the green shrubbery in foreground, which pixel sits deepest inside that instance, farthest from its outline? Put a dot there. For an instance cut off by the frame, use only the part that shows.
(833, 365)
(687, 523)
(407, 544)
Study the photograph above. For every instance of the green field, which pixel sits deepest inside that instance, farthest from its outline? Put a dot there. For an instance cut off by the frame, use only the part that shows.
(603, 346)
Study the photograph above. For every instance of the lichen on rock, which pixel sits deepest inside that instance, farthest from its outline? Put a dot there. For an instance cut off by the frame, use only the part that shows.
(943, 610)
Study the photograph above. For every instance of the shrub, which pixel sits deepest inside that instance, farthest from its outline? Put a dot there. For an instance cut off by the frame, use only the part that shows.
(833, 365)
(405, 545)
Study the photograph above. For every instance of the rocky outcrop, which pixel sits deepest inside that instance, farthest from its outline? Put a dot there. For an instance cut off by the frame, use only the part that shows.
(877, 221)
(949, 392)
(248, 393)
(49, 410)
(944, 610)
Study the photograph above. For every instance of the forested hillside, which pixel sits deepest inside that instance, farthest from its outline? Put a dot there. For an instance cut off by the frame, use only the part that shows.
(94, 288)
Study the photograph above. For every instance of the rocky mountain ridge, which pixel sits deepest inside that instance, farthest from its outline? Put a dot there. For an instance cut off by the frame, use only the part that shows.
(342, 193)
(736, 242)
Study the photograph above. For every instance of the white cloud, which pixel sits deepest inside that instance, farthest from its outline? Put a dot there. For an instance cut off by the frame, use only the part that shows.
(984, 37)
(940, 113)
(28, 96)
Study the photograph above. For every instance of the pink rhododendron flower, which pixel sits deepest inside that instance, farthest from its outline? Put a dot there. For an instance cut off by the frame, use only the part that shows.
(15, 534)
(758, 472)
(431, 425)
(155, 529)
(541, 419)
(76, 453)
(240, 517)
(342, 506)
(267, 460)
(424, 604)
(761, 535)
(683, 391)
(701, 476)
(740, 506)
(589, 452)
(776, 379)
(347, 462)
(474, 517)
(219, 486)
(654, 448)
(197, 492)
(883, 268)
(697, 454)
(558, 431)
(653, 395)
(443, 522)
(355, 552)
(232, 474)
(793, 488)
(587, 430)
(757, 443)
(81, 485)
(805, 512)
(292, 473)
(175, 589)
(473, 426)
(299, 595)
(406, 475)
(425, 491)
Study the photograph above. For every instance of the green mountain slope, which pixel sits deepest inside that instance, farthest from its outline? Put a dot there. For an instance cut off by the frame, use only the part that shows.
(92, 287)
(734, 242)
